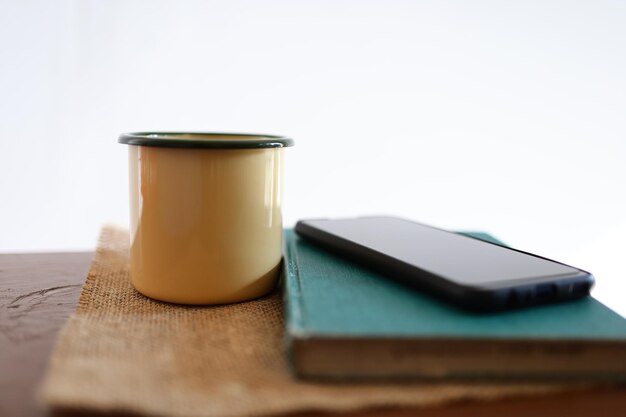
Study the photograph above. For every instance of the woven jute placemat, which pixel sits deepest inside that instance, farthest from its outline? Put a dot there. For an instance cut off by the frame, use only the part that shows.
(123, 352)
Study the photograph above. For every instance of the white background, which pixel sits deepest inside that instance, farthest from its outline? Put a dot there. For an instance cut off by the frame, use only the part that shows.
(507, 117)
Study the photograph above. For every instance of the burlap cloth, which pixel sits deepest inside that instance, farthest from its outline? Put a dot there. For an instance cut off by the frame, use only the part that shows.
(121, 351)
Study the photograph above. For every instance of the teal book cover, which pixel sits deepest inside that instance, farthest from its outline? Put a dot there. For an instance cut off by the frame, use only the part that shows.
(344, 321)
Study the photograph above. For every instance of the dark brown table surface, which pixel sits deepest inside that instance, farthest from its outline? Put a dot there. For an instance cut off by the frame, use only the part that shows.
(38, 292)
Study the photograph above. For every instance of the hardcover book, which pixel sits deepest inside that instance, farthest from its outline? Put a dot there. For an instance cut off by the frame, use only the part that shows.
(344, 321)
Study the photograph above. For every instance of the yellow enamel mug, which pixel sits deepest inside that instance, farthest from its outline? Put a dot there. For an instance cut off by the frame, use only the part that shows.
(205, 215)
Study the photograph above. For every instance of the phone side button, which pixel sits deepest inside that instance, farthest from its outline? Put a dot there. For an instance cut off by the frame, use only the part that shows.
(513, 299)
(579, 289)
(545, 292)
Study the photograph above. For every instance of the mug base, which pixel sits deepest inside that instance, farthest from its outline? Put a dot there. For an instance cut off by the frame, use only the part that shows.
(259, 288)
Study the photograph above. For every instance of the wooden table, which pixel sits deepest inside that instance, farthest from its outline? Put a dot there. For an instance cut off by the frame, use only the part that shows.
(38, 292)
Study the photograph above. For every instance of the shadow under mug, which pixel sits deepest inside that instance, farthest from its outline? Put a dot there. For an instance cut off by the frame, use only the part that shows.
(205, 215)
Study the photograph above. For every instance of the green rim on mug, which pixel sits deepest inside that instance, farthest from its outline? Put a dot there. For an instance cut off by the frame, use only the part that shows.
(205, 140)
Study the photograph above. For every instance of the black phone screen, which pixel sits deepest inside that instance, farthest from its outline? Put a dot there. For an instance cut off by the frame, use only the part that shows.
(461, 259)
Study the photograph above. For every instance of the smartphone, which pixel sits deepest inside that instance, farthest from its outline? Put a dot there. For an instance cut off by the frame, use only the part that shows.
(468, 272)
